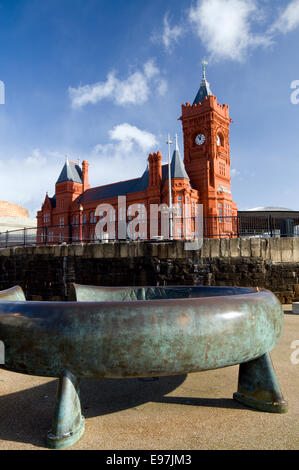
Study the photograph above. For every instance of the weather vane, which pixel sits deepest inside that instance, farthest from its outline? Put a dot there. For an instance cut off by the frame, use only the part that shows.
(204, 64)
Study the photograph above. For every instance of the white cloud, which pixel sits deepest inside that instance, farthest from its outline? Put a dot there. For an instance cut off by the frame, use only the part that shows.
(26, 179)
(128, 134)
(288, 20)
(124, 157)
(135, 89)
(170, 34)
(36, 158)
(234, 172)
(225, 27)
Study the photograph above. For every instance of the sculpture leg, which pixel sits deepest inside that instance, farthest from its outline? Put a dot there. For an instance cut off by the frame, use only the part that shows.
(68, 422)
(258, 386)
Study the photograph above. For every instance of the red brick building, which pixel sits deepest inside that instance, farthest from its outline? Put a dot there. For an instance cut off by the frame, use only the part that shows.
(202, 178)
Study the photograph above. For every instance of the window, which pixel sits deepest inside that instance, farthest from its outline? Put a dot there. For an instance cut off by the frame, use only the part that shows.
(92, 218)
(180, 232)
(46, 218)
(61, 221)
(220, 141)
(220, 210)
(180, 206)
(222, 168)
(75, 220)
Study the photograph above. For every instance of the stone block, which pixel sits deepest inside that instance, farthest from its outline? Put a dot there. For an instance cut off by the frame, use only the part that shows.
(215, 247)
(224, 248)
(98, 250)
(108, 250)
(234, 247)
(171, 250)
(265, 251)
(57, 251)
(275, 250)
(43, 250)
(87, 251)
(78, 250)
(163, 251)
(5, 252)
(124, 250)
(286, 246)
(255, 247)
(296, 250)
(245, 247)
(132, 250)
(140, 251)
(180, 250)
(206, 249)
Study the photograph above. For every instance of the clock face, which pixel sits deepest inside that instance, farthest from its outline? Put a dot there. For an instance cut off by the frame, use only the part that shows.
(200, 139)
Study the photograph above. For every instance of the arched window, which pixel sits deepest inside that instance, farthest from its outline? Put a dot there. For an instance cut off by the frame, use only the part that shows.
(180, 206)
(220, 140)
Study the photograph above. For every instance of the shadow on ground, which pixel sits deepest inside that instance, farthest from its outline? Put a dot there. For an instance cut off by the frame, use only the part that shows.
(26, 416)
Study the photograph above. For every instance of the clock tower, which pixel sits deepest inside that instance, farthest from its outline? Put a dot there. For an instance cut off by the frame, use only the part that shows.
(206, 126)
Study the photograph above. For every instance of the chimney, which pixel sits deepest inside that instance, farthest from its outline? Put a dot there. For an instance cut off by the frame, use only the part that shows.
(155, 169)
(85, 166)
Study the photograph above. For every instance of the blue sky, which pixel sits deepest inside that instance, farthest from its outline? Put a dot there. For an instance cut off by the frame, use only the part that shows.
(104, 80)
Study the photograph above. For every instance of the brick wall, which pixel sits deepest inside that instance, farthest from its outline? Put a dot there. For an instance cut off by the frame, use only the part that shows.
(45, 272)
(7, 209)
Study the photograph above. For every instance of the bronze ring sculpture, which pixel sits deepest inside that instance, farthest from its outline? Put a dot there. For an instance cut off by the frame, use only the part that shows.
(127, 332)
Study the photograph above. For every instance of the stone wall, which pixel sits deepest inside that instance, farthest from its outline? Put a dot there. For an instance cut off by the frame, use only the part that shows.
(8, 209)
(45, 272)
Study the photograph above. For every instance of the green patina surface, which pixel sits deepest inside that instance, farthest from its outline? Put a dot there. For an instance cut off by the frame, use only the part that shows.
(142, 332)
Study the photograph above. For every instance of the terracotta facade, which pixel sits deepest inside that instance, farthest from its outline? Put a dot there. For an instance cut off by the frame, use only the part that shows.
(204, 178)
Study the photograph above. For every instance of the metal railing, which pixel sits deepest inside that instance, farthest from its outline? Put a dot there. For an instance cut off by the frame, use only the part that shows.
(213, 227)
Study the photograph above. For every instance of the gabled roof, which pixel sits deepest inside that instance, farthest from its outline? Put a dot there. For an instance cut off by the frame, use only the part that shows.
(136, 185)
(115, 189)
(70, 172)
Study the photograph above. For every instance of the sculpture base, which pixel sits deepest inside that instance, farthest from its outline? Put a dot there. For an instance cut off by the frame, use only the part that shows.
(61, 442)
(68, 422)
(258, 386)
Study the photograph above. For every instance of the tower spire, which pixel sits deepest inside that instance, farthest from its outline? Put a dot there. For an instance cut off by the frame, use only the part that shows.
(204, 89)
(204, 64)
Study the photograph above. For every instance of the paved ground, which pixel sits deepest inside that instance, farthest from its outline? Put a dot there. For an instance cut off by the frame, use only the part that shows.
(184, 412)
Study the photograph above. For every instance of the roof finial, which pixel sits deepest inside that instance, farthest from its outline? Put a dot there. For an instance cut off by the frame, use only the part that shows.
(66, 159)
(204, 64)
